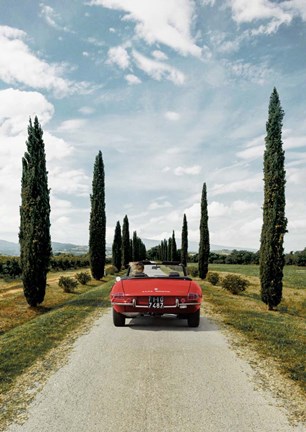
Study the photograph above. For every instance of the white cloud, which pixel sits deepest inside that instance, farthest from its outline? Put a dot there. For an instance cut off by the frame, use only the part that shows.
(158, 70)
(192, 170)
(246, 12)
(253, 184)
(159, 205)
(172, 115)
(19, 65)
(132, 79)
(166, 22)
(159, 55)
(217, 209)
(56, 148)
(119, 56)
(291, 142)
(17, 106)
(72, 125)
(252, 153)
(52, 18)
(86, 110)
(274, 14)
(254, 73)
(73, 181)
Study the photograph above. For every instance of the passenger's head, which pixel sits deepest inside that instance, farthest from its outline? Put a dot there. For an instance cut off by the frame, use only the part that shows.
(137, 267)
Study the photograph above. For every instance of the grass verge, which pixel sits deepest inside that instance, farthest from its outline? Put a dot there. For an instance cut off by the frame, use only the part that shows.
(279, 335)
(22, 346)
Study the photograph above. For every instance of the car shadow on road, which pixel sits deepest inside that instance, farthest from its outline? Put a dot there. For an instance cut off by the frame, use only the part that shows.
(169, 323)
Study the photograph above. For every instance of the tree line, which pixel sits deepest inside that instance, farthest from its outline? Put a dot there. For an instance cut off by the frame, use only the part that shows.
(34, 234)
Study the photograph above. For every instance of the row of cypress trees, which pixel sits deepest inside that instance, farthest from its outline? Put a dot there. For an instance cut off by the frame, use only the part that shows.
(124, 248)
(34, 232)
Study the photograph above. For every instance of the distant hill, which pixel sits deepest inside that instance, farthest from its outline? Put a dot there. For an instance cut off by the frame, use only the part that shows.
(9, 248)
(193, 247)
(12, 249)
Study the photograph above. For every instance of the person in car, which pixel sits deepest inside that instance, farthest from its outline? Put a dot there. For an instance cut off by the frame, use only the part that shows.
(137, 269)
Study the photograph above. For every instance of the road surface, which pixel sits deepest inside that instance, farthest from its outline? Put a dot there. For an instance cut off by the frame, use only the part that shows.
(154, 375)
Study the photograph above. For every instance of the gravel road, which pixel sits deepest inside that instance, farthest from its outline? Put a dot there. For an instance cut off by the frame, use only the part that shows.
(154, 375)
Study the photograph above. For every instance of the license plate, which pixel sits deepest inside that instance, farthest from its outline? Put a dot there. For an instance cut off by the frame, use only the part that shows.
(156, 302)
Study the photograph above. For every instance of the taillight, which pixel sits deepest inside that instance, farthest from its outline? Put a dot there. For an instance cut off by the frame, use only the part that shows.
(118, 295)
(193, 296)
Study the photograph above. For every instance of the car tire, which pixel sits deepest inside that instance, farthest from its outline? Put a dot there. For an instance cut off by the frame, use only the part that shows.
(118, 319)
(194, 319)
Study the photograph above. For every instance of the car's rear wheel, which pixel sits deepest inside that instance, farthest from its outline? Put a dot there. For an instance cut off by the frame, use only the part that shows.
(194, 319)
(118, 319)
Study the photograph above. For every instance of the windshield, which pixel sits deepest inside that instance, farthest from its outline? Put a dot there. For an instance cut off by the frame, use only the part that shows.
(152, 269)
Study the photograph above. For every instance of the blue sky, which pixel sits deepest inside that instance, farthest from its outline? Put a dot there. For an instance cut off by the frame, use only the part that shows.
(174, 93)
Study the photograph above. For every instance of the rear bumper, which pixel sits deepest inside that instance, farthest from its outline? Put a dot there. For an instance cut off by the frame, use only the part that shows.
(176, 305)
(134, 309)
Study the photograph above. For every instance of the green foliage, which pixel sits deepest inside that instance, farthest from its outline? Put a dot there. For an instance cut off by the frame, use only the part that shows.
(83, 277)
(67, 262)
(173, 248)
(184, 248)
(138, 248)
(204, 246)
(34, 234)
(274, 220)
(126, 248)
(110, 270)
(97, 225)
(213, 278)
(296, 258)
(193, 271)
(10, 267)
(234, 283)
(67, 283)
(117, 247)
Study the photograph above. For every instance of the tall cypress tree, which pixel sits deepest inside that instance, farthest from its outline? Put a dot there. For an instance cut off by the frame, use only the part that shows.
(97, 224)
(184, 248)
(126, 247)
(34, 233)
(173, 248)
(204, 246)
(274, 220)
(117, 247)
(135, 247)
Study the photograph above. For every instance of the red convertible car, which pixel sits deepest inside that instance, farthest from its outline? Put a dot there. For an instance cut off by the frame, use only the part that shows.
(155, 289)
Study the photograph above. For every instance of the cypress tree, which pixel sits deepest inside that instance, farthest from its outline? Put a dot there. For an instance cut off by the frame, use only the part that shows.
(34, 233)
(135, 247)
(204, 245)
(97, 224)
(117, 247)
(184, 248)
(126, 254)
(274, 220)
(173, 248)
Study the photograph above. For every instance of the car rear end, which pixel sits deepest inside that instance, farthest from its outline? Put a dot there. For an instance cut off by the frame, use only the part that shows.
(156, 296)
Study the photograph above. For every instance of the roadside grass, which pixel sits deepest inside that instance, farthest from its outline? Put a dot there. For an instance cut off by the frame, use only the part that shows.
(14, 309)
(294, 276)
(34, 332)
(279, 335)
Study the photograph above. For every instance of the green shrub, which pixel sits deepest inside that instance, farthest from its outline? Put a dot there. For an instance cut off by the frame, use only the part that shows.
(234, 283)
(193, 271)
(110, 270)
(67, 283)
(83, 277)
(213, 278)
